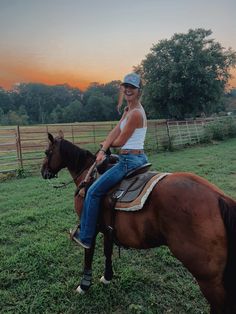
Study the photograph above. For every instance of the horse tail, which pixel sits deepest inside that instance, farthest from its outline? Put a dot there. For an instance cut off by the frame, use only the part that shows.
(228, 213)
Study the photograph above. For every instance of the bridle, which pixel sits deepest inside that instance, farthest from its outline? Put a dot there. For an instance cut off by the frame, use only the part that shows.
(82, 184)
(49, 153)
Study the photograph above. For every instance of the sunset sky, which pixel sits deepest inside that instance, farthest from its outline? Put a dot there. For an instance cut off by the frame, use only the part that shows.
(82, 41)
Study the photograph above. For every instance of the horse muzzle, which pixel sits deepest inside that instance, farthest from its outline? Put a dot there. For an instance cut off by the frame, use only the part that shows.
(48, 174)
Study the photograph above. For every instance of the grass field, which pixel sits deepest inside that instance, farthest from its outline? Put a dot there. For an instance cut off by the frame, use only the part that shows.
(41, 267)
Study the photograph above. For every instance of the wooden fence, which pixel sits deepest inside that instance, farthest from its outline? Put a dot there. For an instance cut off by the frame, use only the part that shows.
(23, 146)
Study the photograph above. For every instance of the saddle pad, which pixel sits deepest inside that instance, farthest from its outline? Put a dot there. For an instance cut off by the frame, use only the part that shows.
(130, 187)
(127, 203)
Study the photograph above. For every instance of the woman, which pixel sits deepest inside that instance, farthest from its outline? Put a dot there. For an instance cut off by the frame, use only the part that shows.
(129, 134)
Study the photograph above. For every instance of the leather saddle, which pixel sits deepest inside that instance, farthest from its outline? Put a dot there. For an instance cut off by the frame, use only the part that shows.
(132, 184)
(131, 193)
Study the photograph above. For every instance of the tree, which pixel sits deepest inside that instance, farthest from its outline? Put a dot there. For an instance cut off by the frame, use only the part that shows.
(72, 113)
(57, 115)
(40, 100)
(6, 103)
(100, 101)
(186, 75)
(2, 116)
(97, 107)
(40, 103)
(23, 115)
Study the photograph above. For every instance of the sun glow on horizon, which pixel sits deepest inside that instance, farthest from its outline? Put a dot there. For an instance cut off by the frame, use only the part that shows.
(31, 69)
(22, 73)
(28, 68)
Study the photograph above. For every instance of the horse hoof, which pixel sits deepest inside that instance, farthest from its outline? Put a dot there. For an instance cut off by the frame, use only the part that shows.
(104, 281)
(80, 290)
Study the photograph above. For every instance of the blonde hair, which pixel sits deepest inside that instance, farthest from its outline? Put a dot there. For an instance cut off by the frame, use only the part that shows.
(120, 98)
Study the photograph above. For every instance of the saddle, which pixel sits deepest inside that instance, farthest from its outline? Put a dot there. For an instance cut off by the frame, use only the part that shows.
(131, 193)
(131, 186)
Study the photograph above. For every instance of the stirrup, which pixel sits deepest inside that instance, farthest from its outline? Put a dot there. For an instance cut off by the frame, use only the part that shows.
(73, 231)
(110, 229)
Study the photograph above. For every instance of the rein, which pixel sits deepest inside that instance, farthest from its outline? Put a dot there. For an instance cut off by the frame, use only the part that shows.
(63, 184)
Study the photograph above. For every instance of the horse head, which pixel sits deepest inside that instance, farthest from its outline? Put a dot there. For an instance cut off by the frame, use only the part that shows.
(53, 161)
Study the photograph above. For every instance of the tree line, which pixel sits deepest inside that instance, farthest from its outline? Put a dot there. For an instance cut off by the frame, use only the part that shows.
(34, 103)
(185, 76)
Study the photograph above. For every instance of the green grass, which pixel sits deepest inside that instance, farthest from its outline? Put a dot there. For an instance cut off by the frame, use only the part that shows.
(215, 162)
(41, 267)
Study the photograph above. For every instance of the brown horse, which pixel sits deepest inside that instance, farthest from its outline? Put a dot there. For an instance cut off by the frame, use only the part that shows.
(194, 218)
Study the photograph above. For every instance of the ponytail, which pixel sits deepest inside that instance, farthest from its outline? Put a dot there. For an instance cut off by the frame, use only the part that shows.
(120, 99)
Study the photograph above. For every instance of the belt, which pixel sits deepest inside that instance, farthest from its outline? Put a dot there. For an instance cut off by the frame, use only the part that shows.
(131, 151)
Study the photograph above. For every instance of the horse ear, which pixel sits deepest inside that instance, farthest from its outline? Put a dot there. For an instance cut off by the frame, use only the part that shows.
(50, 137)
(61, 134)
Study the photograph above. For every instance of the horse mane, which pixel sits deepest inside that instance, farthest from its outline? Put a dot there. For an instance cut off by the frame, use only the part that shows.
(74, 156)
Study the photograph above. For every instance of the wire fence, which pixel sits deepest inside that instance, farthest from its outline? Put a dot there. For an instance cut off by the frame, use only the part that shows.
(23, 146)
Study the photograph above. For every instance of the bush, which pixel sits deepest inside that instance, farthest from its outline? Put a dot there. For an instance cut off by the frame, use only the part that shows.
(22, 173)
(231, 127)
(220, 129)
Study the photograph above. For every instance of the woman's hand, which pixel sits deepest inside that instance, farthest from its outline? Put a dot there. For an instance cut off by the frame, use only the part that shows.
(100, 157)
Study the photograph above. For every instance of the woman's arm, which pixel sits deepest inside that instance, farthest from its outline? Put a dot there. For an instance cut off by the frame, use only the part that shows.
(135, 120)
(115, 132)
(111, 137)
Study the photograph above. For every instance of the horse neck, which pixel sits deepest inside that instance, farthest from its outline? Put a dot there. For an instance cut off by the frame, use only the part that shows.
(76, 159)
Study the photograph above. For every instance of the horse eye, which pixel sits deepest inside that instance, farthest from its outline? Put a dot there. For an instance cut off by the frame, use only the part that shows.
(48, 152)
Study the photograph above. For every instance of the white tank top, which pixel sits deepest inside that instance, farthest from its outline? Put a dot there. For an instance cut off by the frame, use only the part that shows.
(136, 141)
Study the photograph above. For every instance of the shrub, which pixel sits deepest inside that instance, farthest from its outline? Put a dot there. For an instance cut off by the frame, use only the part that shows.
(22, 173)
(220, 129)
(231, 127)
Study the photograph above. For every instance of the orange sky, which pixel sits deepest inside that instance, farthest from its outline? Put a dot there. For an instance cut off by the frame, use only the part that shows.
(15, 69)
(30, 71)
(78, 42)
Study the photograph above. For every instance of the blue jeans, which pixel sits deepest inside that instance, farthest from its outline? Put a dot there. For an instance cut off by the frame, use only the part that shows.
(100, 188)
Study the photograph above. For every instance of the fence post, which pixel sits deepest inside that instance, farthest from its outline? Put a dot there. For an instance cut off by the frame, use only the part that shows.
(198, 137)
(156, 134)
(18, 146)
(180, 135)
(189, 133)
(168, 134)
(94, 136)
(72, 132)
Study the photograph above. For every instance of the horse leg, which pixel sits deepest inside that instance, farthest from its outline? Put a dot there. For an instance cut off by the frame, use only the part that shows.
(86, 280)
(108, 249)
(214, 292)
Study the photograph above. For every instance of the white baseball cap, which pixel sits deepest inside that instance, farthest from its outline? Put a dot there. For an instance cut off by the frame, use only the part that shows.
(132, 79)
